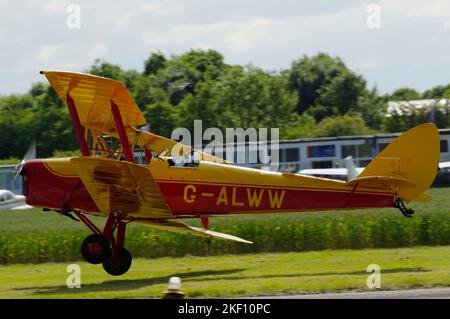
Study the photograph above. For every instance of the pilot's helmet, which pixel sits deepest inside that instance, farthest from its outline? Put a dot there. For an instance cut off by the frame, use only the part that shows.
(187, 157)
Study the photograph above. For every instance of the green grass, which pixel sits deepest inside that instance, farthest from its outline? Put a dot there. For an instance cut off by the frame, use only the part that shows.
(237, 275)
(36, 236)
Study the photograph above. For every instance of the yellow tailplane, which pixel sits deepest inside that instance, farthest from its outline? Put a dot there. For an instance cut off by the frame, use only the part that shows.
(409, 164)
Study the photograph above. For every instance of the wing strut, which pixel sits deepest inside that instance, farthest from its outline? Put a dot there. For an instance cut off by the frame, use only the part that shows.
(77, 125)
(122, 134)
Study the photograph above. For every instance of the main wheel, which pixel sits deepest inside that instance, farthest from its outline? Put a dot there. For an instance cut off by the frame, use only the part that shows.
(120, 264)
(95, 249)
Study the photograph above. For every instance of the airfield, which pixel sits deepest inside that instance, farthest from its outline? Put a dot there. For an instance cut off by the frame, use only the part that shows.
(232, 276)
(292, 274)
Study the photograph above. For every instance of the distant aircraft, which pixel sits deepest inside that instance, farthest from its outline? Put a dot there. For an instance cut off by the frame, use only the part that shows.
(9, 200)
(345, 174)
(445, 166)
(179, 182)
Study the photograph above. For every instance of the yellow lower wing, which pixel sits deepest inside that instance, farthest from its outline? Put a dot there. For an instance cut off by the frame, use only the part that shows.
(121, 187)
(181, 228)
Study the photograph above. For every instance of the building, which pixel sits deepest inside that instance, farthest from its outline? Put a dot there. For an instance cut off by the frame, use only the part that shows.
(414, 106)
(328, 152)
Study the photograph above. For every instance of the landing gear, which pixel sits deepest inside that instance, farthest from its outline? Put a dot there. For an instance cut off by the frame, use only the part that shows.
(95, 249)
(407, 212)
(102, 248)
(119, 264)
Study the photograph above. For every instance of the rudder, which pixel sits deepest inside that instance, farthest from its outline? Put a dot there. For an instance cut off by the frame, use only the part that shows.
(413, 156)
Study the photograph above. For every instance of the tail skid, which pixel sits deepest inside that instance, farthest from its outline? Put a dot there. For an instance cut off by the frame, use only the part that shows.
(407, 212)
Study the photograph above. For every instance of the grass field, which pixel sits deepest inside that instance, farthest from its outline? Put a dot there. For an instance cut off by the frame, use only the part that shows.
(36, 236)
(30, 240)
(237, 275)
(36, 220)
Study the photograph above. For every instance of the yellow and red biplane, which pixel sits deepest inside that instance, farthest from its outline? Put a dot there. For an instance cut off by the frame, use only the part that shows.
(107, 181)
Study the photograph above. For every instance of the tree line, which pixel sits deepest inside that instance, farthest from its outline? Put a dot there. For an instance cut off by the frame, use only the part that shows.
(317, 96)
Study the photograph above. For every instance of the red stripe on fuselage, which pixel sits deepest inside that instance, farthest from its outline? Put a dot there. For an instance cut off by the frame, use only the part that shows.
(45, 188)
(191, 198)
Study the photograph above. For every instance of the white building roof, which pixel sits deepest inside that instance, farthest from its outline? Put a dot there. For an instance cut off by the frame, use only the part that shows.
(402, 107)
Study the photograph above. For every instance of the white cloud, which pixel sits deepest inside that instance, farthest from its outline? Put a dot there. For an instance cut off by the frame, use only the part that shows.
(125, 19)
(364, 64)
(235, 36)
(409, 50)
(47, 53)
(204, 46)
(247, 36)
(55, 6)
(99, 50)
(417, 8)
(164, 8)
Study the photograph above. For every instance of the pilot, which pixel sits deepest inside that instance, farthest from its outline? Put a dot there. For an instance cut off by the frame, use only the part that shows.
(179, 160)
(197, 158)
(187, 159)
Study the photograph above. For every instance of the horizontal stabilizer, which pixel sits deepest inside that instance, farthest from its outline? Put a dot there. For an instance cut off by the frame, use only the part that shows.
(181, 228)
(383, 182)
(424, 198)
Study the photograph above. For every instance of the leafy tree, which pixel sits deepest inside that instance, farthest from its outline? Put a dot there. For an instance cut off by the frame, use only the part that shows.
(446, 94)
(325, 86)
(107, 70)
(405, 94)
(317, 96)
(191, 67)
(438, 92)
(342, 125)
(242, 98)
(372, 107)
(154, 63)
(67, 153)
(300, 126)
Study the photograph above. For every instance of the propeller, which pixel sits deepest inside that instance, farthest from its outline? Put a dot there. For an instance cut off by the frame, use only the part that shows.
(30, 154)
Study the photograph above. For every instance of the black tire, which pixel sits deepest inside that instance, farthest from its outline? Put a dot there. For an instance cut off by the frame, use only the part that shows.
(95, 249)
(119, 265)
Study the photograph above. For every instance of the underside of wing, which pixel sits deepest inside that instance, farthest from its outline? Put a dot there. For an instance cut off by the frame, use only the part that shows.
(121, 187)
(181, 228)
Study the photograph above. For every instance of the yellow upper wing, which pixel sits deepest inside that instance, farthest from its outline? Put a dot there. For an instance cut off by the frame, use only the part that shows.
(93, 95)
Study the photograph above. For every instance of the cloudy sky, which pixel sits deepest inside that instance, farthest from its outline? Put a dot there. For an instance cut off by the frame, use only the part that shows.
(392, 44)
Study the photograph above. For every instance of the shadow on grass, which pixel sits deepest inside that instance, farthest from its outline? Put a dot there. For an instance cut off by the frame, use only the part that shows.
(383, 271)
(129, 284)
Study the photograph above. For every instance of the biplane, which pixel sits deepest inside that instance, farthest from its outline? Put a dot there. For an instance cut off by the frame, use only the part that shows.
(107, 180)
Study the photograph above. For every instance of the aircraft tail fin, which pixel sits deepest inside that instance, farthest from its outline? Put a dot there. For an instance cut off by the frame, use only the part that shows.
(409, 164)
